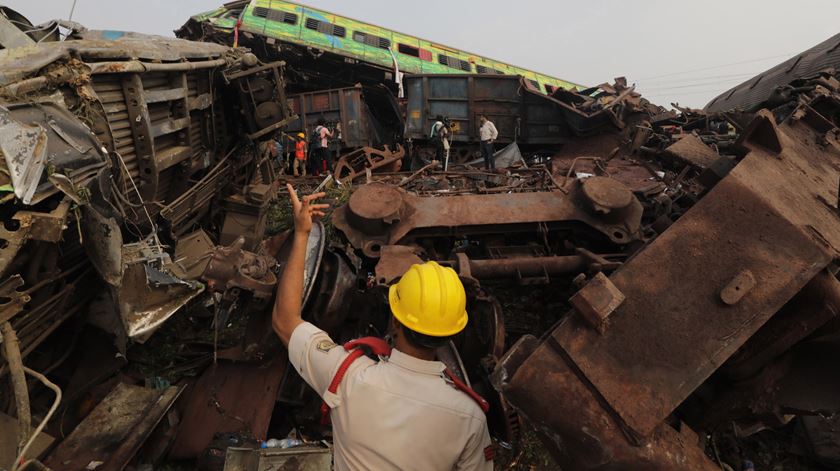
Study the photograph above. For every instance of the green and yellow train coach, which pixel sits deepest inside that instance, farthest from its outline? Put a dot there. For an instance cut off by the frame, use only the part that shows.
(297, 24)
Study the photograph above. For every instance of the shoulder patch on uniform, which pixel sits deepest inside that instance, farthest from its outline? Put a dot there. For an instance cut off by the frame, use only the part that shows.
(489, 453)
(325, 345)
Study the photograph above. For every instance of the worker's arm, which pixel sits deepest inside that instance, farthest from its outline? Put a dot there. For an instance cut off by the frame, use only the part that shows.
(494, 133)
(478, 453)
(287, 303)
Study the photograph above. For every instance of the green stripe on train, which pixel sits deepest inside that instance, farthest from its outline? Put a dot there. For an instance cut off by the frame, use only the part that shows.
(347, 46)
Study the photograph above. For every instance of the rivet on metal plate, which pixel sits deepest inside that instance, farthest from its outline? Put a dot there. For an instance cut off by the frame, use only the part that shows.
(737, 288)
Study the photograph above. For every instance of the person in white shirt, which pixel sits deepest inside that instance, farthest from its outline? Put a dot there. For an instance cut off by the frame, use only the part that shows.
(406, 412)
(488, 134)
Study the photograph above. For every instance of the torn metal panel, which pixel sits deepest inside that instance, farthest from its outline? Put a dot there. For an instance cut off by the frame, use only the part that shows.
(53, 140)
(25, 150)
(10, 35)
(692, 150)
(147, 295)
(104, 244)
(113, 432)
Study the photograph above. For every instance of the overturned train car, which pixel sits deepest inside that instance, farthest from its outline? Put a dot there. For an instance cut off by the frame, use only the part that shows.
(115, 145)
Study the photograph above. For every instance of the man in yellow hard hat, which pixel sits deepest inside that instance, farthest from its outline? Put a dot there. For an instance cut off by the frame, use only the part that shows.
(405, 412)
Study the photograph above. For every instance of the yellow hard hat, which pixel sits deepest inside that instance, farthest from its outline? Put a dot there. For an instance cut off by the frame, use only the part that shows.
(430, 299)
(300, 135)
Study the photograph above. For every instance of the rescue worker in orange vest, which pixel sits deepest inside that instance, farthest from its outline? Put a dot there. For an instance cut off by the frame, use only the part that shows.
(299, 165)
(405, 411)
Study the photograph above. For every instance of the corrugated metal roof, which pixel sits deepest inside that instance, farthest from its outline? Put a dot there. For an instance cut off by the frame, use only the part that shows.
(752, 94)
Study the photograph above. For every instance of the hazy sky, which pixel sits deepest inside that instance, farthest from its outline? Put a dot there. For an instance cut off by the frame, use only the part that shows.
(674, 50)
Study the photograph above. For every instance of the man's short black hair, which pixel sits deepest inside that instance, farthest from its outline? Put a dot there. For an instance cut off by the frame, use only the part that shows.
(416, 339)
(321, 122)
(439, 118)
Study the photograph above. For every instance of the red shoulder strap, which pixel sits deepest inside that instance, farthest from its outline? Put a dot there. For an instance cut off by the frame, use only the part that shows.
(380, 347)
(485, 406)
(377, 346)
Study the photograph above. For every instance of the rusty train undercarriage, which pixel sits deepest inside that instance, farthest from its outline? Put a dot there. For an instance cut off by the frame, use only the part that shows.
(646, 289)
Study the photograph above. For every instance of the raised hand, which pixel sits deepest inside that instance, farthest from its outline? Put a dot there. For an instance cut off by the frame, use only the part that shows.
(305, 210)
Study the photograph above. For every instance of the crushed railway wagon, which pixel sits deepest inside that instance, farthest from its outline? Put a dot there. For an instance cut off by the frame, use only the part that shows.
(360, 116)
(114, 146)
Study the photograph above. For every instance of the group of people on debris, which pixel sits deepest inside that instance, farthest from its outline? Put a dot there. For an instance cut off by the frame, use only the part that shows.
(294, 154)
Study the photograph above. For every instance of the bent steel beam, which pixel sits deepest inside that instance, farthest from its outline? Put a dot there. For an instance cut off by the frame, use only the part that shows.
(749, 246)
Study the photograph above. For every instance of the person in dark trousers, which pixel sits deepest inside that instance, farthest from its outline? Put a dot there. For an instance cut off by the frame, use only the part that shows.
(488, 134)
(299, 164)
(323, 136)
(439, 135)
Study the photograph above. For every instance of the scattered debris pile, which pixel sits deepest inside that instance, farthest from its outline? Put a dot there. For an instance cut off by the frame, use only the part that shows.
(663, 279)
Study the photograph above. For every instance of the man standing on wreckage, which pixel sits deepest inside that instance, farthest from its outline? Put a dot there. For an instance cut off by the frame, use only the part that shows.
(406, 411)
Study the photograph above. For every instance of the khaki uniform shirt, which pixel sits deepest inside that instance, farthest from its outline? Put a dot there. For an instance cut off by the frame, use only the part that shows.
(396, 414)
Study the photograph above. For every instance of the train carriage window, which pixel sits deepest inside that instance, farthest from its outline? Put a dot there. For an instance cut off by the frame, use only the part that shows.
(408, 50)
(276, 15)
(371, 40)
(535, 84)
(454, 62)
(487, 70)
(412, 51)
(550, 89)
(326, 27)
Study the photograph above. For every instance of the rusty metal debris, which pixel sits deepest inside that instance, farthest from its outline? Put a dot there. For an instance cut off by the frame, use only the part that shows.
(358, 162)
(656, 278)
(113, 432)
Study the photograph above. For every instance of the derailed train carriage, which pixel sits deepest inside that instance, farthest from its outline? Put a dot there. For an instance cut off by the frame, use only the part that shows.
(114, 147)
(346, 51)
